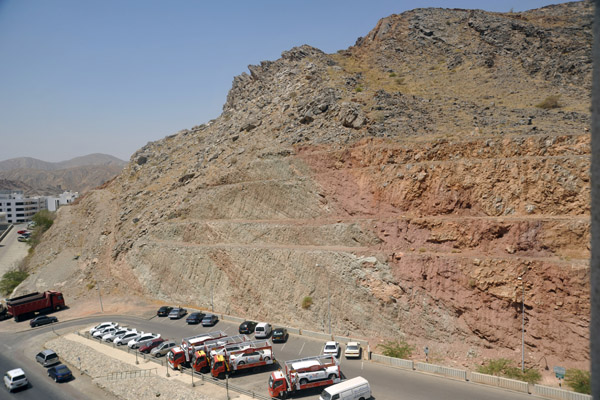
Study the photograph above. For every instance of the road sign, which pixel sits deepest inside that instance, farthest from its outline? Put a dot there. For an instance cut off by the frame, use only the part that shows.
(560, 372)
(426, 350)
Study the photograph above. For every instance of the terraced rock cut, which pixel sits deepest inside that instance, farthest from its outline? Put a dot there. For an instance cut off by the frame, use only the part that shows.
(410, 179)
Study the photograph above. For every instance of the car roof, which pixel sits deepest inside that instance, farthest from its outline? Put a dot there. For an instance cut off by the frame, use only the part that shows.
(208, 316)
(47, 352)
(15, 372)
(331, 343)
(263, 324)
(279, 329)
(353, 344)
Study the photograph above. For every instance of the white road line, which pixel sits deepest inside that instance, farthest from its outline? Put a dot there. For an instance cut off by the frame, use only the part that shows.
(302, 348)
(282, 347)
(362, 364)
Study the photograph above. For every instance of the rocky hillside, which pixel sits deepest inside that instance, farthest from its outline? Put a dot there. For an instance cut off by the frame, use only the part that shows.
(37, 177)
(412, 178)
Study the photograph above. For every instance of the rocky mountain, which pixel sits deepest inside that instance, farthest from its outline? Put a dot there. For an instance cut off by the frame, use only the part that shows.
(410, 179)
(80, 174)
(34, 163)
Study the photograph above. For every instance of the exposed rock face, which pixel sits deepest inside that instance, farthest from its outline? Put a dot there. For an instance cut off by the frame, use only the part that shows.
(411, 177)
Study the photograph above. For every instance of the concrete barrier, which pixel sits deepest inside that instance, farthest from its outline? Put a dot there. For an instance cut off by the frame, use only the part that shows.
(445, 371)
(486, 379)
(513, 384)
(231, 318)
(394, 362)
(293, 331)
(316, 335)
(560, 394)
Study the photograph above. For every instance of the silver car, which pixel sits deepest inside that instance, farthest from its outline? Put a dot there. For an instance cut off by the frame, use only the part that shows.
(163, 348)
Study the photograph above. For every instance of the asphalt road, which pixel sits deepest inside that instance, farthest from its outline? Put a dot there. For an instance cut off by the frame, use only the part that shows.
(387, 383)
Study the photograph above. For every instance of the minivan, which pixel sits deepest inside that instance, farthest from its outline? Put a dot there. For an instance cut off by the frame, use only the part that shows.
(352, 389)
(262, 330)
(47, 358)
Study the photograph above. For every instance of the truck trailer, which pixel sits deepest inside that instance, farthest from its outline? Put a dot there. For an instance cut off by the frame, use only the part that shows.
(182, 355)
(248, 355)
(202, 356)
(304, 373)
(26, 306)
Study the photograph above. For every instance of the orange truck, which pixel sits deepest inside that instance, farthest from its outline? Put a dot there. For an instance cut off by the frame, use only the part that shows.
(201, 361)
(26, 306)
(247, 355)
(182, 355)
(304, 373)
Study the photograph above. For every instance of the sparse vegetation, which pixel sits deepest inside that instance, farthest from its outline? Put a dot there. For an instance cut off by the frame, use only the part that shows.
(307, 302)
(358, 89)
(43, 221)
(91, 285)
(392, 74)
(578, 380)
(11, 279)
(549, 103)
(507, 368)
(397, 349)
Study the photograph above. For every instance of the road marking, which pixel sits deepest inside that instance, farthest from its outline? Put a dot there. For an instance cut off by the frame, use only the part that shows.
(282, 347)
(362, 364)
(302, 348)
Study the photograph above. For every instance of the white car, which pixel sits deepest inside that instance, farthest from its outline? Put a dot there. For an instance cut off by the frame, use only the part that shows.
(15, 378)
(250, 358)
(110, 337)
(262, 330)
(332, 349)
(102, 325)
(126, 337)
(353, 350)
(101, 332)
(142, 340)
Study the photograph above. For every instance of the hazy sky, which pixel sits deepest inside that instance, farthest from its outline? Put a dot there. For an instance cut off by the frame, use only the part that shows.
(108, 76)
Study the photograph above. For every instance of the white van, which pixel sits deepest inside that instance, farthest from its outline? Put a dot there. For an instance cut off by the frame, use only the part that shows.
(352, 389)
(262, 330)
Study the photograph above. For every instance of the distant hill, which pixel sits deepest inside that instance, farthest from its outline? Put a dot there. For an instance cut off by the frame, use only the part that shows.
(34, 163)
(37, 177)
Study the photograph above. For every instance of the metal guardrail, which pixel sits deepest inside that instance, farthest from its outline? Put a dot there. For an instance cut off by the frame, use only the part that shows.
(559, 394)
(136, 373)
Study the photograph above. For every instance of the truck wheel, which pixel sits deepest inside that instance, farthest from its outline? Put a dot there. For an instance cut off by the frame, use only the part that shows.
(303, 381)
(57, 308)
(267, 359)
(332, 377)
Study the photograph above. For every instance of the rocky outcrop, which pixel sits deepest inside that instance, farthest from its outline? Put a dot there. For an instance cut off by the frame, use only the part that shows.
(410, 179)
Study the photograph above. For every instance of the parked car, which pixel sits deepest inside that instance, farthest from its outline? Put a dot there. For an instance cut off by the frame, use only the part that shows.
(210, 320)
(22, 231)
(353, 350)
(332, 349)
(194, 318)
(142, 340)
(47, 358)
(280, 335)
(14, 379)
(119, 332)
(60, 373)
(177, 313)
(127, 337)
(250, 358)
(247, 327)
(42, 320)
(262, 330)
(148, 346)
(163, 348)
(99, 334)
(102, 325)
(164, 311)
(22, 238)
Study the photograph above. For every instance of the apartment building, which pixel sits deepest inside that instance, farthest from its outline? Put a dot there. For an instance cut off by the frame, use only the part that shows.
(19, 208)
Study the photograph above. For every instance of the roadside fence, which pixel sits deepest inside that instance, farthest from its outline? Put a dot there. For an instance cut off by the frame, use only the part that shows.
(136, 373)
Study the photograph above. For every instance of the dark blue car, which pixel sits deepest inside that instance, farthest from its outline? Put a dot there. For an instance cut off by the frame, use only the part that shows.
(60, 373)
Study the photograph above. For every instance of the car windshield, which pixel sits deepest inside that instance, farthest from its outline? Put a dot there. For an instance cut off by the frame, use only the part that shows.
(62, 369)
(19, 377)
(352, 348)
(330, 347)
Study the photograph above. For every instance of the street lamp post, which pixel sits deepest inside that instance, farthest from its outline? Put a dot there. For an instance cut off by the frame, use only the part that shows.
(328, 300)
(522, 325)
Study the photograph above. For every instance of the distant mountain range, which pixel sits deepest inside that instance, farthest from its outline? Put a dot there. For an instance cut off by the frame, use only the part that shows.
(37, 177)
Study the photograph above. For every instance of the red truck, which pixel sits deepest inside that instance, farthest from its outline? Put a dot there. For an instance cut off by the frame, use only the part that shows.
(182, 355)
(202, 356)
(27, 305)
(304, 373)
(248, 355)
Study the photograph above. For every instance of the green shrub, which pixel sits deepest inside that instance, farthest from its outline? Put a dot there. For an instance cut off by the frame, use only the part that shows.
(578, 380)
(507, 368)
(392, 74)
(358, 89)
(549, 102)
(397, 349)
(307, 302)
(11, 279)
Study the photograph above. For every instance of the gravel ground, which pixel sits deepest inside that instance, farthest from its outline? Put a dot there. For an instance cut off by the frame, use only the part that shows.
(98, 366)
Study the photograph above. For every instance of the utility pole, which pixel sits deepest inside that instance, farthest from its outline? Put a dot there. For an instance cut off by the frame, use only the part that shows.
(522, 325)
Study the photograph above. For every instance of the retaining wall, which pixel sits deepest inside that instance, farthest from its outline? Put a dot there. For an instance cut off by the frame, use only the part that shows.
(505, 383)
(395, 362)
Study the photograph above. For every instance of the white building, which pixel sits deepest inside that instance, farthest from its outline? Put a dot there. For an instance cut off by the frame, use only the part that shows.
(19, 208)
(52, 203)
